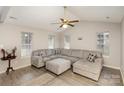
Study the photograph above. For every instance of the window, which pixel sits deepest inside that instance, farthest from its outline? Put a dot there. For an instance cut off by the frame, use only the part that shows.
(67, 42)
(26, 44)
(51, 41)
(103, 42)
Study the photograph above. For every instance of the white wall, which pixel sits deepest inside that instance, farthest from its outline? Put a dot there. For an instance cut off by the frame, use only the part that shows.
(10, 36)
(88, 30)
(122, 61)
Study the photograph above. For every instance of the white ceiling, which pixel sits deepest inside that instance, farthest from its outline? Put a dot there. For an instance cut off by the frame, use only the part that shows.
(99, 13)
(37, 17)
(42, 16)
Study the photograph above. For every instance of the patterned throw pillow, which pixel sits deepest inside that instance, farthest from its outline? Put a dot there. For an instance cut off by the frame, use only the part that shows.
(91, 57)
(57, 51)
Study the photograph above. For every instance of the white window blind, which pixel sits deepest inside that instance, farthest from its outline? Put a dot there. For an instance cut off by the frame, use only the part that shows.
(103, 42)
(26, 44)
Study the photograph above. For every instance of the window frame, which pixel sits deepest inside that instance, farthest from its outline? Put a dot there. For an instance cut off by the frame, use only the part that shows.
(103, 45)
(27, 50)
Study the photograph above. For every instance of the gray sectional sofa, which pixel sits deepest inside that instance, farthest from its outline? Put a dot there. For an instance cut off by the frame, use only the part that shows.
(77, 57)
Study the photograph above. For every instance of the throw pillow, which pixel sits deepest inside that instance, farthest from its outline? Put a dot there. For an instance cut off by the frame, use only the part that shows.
(91, 57)
(57, 51)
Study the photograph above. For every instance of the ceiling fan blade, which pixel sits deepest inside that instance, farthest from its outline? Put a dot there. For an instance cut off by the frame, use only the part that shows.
(61, 25)
(73, 21)
(71, 25)
(62, 19)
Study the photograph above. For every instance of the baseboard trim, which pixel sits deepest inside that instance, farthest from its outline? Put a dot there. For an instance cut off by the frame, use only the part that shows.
(122, 75)
(118, 68)
(22, 66)
(16, 68)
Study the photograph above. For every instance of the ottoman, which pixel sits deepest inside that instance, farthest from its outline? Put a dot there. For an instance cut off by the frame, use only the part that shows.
(58, 65)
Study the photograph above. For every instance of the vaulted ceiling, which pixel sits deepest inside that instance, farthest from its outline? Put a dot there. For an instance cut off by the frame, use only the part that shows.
(99, 13)
(42, 16)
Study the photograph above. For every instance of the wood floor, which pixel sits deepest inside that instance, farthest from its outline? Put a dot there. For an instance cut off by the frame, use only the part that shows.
(33, 76)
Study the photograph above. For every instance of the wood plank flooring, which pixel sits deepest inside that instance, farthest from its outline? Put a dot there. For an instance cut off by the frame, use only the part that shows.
(108, 77)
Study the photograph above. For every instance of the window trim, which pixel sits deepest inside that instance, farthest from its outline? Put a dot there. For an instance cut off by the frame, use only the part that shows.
(24, 44)
(102, 50)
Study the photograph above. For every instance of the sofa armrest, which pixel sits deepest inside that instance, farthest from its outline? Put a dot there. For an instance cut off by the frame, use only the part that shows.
(37, 61)
(38, 58)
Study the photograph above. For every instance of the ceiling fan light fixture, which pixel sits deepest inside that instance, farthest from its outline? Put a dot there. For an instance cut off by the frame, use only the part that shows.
(64, 22)
(65, 26)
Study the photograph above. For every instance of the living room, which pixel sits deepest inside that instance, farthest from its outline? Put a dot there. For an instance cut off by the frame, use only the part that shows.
(20, 23)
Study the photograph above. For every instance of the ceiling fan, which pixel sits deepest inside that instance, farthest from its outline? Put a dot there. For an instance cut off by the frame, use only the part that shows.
(65, 22)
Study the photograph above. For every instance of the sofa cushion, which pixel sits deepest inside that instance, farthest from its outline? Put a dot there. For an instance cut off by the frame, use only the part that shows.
(43, 52)
(77, 53)
(36, 53)
(61, 56)
(53, 51)
(50, 52)
(66, 52)
(57, 51)
(46, 59)
(53, 56)
(72, 59)
(88, 66)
